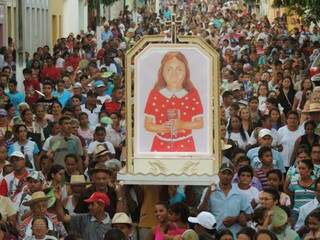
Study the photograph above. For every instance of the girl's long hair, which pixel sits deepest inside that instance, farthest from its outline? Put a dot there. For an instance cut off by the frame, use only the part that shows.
(161, 83)
(242, 131)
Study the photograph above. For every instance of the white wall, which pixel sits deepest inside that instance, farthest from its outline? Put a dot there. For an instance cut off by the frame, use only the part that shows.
(74, 17)
(83, 15)
(70, 17)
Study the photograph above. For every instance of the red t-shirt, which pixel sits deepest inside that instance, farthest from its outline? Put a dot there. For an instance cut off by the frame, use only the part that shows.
(111, 107)
(51, 72)
(30, 86)
(100, 54)
(72, 61)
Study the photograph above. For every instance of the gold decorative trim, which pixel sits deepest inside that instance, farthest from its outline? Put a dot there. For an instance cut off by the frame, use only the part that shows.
(190, 166)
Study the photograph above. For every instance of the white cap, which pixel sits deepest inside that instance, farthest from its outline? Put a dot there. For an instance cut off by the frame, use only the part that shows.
(17, 154)
(205, 219)
(264, 132)
(235, 86)
(77, 85)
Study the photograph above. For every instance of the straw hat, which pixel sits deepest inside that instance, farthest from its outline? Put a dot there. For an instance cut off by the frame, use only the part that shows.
(36, 175)
(225, 146)
(78, 180)
(100, 150)
(36, 197)
(100, 167)
(314, 107)
(122, 218)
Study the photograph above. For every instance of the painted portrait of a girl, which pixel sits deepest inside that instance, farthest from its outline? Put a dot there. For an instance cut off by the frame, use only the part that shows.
(173, 109)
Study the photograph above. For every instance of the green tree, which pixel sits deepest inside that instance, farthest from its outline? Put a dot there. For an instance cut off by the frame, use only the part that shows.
(94, 3)
(308, 9)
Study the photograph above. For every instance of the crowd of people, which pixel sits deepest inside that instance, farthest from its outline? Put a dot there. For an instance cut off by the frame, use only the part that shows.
(63, 140)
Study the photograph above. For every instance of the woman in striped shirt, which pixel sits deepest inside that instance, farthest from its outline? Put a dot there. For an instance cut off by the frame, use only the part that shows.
(302, 190)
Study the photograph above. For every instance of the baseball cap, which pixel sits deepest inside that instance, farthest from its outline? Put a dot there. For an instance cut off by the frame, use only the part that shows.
(69, 69)
(235, 86)
(3, 113)
(36, 175)
(17, 154)
(279, 217)
(99, 84)
(190, 234)
(113, 164)
(205, 219)
(246, 65)
(226, 166)
(77, 85)
(264, 132)
(106, 120)
(106, 74)
(98, 197)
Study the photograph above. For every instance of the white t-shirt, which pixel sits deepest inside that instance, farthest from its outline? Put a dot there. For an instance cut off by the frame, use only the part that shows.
(46, 144)
(238, 139)
(288, 138)
(104, 98)
(249, 194)
(113, 136)
(69, 205)
(92, 115)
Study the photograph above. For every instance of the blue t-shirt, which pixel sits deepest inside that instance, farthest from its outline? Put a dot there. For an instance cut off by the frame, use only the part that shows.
(179, 197)
(62, 97)
(16, 98)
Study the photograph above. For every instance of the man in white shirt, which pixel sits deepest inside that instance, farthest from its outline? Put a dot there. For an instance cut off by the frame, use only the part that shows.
(288, 135)
(92, 109)
(308, 207)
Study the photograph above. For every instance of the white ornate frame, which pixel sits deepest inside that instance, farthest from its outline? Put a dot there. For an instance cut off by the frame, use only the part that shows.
(161, 169)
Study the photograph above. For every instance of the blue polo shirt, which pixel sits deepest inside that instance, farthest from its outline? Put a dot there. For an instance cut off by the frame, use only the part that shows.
(63, 97)
(256, 163)
(232, 205)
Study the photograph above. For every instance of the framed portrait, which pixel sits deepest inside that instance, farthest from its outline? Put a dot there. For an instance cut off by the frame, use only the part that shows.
(173, 104)
(172, 118)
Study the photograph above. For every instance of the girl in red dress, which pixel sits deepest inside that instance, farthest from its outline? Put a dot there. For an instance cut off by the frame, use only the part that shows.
(173, 108)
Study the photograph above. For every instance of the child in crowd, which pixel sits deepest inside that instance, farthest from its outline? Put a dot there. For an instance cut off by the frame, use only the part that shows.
(259, 217)
(313, 224)
(265, 156)
(274, 177)
(99, 138)
(244, 186)
(241, 161)
(84, 129)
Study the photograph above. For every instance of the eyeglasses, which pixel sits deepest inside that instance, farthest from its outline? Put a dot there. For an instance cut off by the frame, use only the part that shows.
(40, 226)
(265, 199)
(15, 159)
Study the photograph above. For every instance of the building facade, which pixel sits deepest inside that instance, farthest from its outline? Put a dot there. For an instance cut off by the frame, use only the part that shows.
(55, 20)
(44, 21)
(267, 9)
(35, 23)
